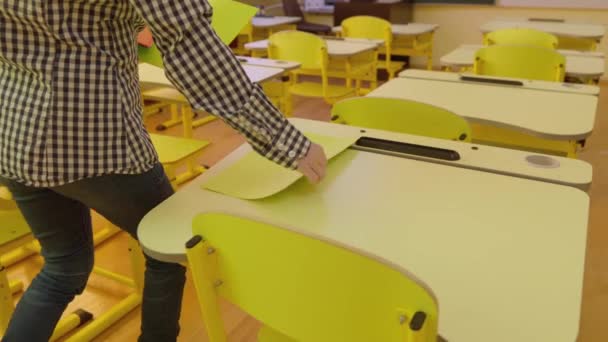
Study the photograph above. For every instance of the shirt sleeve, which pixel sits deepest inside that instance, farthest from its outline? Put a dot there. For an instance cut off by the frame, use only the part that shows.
(205, 70)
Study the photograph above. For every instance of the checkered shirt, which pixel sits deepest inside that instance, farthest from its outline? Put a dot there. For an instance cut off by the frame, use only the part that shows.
(70, 106)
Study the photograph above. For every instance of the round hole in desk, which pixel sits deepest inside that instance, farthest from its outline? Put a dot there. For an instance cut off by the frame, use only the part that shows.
(542, 161)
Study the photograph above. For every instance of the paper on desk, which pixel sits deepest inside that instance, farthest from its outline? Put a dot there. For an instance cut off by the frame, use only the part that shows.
(229, 18)
(254, 177)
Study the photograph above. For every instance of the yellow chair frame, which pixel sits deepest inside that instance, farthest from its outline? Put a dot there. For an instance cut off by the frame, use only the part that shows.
(304, 288)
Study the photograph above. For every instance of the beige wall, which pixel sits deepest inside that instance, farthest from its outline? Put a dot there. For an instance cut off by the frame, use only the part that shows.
(459, 24)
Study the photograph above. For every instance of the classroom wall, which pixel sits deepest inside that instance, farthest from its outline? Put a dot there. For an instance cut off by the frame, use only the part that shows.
(459, 24)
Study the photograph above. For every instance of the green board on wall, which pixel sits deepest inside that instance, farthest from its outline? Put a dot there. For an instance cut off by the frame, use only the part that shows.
(477, 2)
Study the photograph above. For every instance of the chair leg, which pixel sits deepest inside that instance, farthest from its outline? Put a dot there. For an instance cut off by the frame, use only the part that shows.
(289, 105)
(118, 311)
(201, 259)
(429, 61)
(6, 300)
(175, 118)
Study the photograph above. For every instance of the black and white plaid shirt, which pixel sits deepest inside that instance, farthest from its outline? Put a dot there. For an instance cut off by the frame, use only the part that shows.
(70, 105)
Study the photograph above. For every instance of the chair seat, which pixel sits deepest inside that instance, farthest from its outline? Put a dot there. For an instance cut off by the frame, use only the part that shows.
(310, 89)
(313, 28)
(173, 150)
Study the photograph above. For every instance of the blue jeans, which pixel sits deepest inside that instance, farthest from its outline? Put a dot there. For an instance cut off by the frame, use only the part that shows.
(60, 219)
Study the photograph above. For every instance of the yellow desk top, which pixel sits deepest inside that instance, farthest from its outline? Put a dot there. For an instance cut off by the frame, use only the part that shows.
(151, 75)
(546, 114)
(269, 22)
(576, 30)
(335, 47)
(269, 63)
(493, 248)
(578, 64)
(412, 29)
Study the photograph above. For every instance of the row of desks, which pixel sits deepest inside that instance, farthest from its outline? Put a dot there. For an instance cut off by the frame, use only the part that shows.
(470, 229)
(549, 110)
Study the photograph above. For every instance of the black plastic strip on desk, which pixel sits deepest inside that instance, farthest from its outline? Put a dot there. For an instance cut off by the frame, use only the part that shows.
(491, 81)
(406, 148)
(547, 20)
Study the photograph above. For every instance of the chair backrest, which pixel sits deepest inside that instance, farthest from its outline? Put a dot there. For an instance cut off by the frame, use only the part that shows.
(522, 36)
(291, 8)
(150, 55)
(402, 116)
(369, 27)
(307, 49)
(306, 288)
(520, 61)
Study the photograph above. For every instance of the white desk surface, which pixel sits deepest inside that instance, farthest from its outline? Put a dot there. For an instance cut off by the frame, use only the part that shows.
(269, 22)
(578, 64)
(591, 31)
(528, 84)
(546, 114)
(335, 48)
(152, 75)
(493, 248)
(412, 29)
(269, 63)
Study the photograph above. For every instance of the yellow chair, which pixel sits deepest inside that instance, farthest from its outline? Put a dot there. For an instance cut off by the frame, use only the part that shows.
(521, 36)
(520, 61)
(174, 152)
(14, 237)
(402, 116)
(374, 28)
(302, 288)
(311, 52)
(17, 242)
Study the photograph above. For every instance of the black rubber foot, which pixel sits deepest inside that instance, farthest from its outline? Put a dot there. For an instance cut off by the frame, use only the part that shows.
(84, 316)
(161, 127)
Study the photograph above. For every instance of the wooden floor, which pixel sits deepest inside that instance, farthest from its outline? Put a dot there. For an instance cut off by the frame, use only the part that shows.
(100, 293)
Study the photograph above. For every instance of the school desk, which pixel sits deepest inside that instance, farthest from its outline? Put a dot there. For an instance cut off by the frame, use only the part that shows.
(414, 39)
(269, 63)
(269, 22)
(266, 26)
(516, 116)
(348, 58)
(151, 75)
(591, 32)
(527, 84)
(586, 66)
(503, 254)
(335, 47)
(413, 29)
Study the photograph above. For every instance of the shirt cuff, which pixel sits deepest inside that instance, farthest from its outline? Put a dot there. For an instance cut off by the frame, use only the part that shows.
(288, 147)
